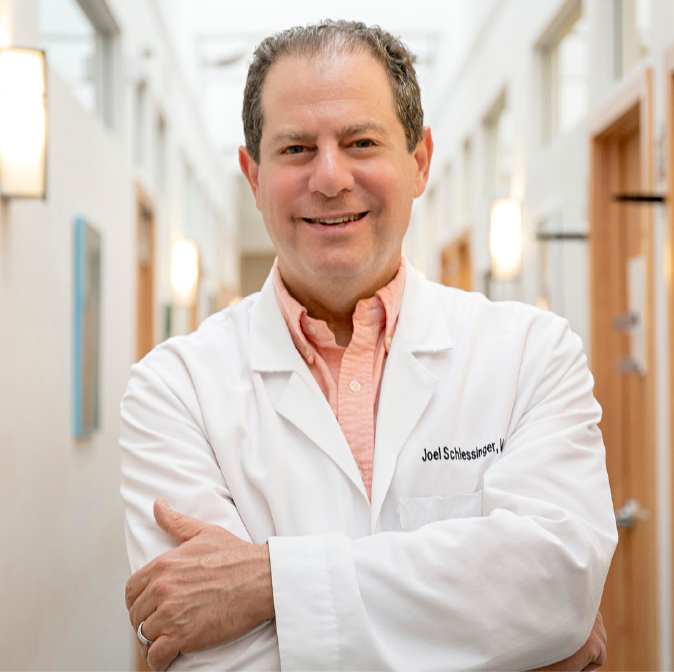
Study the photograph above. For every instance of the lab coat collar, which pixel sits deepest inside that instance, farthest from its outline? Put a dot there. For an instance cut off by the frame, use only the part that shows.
(409, 383)
(296, 397)
(407, 386)
(421, 324)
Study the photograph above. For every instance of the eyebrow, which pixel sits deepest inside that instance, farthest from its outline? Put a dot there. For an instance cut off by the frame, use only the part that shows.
(302, 136)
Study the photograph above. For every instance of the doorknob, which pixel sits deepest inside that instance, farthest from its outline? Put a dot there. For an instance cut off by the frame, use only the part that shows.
(629, 513)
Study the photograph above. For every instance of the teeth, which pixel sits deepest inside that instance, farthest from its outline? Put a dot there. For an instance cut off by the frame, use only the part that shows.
(339, 220)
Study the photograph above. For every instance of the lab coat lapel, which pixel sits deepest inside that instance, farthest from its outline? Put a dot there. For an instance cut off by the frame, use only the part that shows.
(296, 395)
(407, 385)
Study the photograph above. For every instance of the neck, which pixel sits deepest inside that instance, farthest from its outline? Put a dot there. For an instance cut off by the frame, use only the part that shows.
(334, 300)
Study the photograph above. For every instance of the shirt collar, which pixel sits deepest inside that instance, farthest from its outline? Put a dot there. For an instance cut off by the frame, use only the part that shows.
(299, 323)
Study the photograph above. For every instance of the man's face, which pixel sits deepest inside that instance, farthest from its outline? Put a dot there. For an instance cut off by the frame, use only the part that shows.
(335, 181)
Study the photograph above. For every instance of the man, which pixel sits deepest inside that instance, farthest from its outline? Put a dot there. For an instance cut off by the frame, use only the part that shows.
(425, 466)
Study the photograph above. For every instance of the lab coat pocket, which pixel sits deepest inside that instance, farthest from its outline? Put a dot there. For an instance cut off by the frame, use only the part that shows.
(417, 511)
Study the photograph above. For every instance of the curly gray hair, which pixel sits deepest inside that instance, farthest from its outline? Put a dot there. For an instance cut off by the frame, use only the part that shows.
(336, 36)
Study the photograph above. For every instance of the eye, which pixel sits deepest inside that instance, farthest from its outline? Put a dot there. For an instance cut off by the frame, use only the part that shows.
(294, 149)
(363, 144)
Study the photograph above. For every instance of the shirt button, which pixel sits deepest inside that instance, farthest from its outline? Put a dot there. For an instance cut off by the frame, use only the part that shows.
(388, 341)
(307, 353)
(354, 386)
(311, 329)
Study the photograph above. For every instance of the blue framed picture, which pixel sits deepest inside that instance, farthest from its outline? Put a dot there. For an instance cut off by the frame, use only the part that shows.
(87, 329)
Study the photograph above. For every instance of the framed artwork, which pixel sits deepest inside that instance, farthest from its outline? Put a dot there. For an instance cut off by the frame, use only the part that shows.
(87, 329)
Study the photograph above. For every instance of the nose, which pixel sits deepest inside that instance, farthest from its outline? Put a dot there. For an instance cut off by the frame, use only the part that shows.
(331, 172)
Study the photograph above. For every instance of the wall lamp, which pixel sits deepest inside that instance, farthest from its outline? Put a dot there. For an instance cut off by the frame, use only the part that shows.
(184, 271)
(505, 238)
(23, 123)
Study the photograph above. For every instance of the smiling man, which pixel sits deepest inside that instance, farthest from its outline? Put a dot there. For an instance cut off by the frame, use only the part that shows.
(366, 470)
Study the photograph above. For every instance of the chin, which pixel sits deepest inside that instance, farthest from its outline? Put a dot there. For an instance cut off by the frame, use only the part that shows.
(341, 266)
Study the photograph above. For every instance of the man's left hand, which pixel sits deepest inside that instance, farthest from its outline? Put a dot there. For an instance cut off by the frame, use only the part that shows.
(210, 590)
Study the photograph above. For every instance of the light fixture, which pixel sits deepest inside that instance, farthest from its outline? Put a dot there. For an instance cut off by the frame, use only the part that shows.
(23, 123)
(505, 238)
(184, 271)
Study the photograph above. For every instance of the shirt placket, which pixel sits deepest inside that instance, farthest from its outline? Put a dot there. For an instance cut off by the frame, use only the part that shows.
(356, 394)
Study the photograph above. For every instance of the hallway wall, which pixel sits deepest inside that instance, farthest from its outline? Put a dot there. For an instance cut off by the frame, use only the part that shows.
(63, 563)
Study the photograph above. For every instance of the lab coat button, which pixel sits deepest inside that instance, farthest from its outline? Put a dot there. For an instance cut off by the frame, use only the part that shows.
(354, 386)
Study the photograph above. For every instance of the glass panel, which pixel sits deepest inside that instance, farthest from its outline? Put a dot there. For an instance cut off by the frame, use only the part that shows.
(504, 152)
(637, 31)
(468, 181)
(572, 76)
(69, 39)
(565, 79)
(499, 145)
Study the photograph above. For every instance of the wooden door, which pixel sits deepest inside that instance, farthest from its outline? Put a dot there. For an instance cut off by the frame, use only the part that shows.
(621, 260)
(669, 69)
(455, 264)
(145, 339)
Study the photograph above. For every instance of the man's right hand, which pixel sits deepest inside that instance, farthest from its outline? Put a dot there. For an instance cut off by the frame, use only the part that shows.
(591, 656)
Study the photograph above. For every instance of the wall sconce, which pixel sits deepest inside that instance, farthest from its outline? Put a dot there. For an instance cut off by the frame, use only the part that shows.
(505, 238)
(184, 271)
(23, 123)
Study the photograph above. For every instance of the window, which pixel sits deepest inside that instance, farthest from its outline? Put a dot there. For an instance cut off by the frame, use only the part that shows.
(160, 154)
(77, 37)
(498, 126)
(140, 119)
(467, 180)
(632, 33)
(564, 60)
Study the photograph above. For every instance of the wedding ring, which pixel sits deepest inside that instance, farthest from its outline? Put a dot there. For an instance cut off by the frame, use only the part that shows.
(141, 637)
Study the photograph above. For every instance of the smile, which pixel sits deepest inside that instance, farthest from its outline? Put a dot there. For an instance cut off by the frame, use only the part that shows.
(335, 221)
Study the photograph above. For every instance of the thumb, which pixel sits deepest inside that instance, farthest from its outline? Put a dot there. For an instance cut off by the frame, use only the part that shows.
(180, 527)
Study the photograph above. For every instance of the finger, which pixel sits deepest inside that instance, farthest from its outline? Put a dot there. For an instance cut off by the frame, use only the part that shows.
(143, 650)
(602, 633)
(141, 610)
(180, 527)
(162, 653)
(136, 585)
(152, 627)
(591, 666)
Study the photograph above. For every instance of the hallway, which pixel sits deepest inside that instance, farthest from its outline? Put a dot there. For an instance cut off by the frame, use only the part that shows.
(130, 223)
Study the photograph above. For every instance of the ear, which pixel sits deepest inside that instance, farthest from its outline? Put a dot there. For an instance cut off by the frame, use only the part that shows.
(422, 157)
(251, 171)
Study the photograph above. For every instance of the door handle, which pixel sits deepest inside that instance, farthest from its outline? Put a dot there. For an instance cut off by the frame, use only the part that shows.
(626, 323)
(629, 513)
(628, 365)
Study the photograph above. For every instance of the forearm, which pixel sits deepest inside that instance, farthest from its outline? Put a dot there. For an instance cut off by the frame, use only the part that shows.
(461, 594)
(259, 596)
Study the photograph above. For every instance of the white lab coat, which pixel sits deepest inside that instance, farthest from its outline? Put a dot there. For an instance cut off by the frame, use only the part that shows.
(492, 556)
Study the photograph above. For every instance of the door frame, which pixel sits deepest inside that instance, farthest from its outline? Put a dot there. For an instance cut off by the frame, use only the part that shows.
(634, 96)
(144, 211)
(669, 111)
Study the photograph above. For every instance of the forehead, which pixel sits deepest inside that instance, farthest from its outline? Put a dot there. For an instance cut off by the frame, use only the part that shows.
(314, 93)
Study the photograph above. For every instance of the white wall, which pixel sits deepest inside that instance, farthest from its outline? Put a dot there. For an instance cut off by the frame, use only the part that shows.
(63, 563)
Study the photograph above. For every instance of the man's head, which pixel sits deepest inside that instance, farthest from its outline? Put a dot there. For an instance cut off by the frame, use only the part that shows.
(333, 125)
(322, 40)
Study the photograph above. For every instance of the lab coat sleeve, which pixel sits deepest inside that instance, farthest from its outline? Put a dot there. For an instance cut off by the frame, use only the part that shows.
(166, 453)
(514, 589)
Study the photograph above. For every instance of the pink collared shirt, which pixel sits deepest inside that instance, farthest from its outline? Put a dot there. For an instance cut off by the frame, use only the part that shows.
(350, 377)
